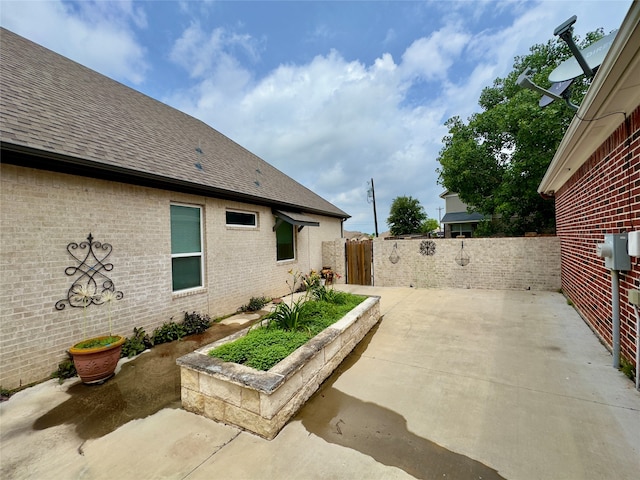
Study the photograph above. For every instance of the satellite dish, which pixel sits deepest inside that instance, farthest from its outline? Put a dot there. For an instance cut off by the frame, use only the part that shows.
(584, 61)
(557, 89)
(593, 55)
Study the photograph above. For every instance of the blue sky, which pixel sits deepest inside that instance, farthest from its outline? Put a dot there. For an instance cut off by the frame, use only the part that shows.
(332, 93)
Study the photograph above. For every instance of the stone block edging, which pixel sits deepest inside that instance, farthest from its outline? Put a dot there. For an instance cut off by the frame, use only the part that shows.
(263, 402)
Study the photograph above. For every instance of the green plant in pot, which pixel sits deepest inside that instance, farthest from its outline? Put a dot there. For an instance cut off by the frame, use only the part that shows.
(96, 358)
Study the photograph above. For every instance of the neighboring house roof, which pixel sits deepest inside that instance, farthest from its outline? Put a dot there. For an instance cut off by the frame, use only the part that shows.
(462, 217)
(77, 121)
(614, 92)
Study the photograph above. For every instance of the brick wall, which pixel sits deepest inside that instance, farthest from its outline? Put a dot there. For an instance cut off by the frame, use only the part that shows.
(41, 212)
(493, 263)
(602, 197)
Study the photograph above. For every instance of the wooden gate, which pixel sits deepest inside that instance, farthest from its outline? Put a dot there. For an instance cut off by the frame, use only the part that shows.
(359, 255)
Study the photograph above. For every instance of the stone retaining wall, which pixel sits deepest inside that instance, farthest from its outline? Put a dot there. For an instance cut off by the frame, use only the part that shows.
(263, 402)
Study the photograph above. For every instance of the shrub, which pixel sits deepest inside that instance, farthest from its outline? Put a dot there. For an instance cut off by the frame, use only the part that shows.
(168, 332)
(324, 294)
(66, 369)
(195, 323)
(136, 344)
(255, 304)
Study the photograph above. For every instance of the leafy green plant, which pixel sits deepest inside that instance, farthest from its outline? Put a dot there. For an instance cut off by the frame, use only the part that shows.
(255, 304)
(287, 317)
(4, 393)
(136, 344)
(97, 342)
(195, 323)
(261, 348)
(66, 369)
(324, 294)
(265, 346)
(168, 332)
(627, 368)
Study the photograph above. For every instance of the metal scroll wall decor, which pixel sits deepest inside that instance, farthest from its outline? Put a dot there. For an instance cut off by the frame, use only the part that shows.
(427, 247)
(91, 282)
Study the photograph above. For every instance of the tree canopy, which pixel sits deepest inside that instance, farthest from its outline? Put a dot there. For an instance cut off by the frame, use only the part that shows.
(406, 216)
(497, 159)
(429, 225)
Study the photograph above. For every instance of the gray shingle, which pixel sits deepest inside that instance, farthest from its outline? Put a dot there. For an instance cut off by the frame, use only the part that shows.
(52, 104)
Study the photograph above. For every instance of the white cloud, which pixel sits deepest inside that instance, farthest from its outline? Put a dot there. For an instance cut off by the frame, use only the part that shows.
(95, 34)
(200, 53)
(431, 57)
(331, 123)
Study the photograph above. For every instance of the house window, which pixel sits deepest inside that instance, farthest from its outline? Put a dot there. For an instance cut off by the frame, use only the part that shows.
(285, 241)
(462, 230)
(241, 219)
(186, 247)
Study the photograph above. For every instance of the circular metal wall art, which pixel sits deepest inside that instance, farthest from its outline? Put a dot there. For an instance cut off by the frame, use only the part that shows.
(427, 247)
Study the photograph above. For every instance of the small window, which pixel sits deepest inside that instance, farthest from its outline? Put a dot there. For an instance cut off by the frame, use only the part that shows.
(186, 247)
(241, 219)
(285, 241)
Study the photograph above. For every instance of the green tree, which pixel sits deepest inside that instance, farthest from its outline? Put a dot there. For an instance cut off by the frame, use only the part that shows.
(497, 159)
(429, 225)
(406, 216)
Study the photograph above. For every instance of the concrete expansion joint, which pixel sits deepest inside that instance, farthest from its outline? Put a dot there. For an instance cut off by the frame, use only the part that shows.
(213, 453)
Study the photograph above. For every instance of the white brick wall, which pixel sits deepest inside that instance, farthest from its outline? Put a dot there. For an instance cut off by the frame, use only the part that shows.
(41, 212)
(494, 263)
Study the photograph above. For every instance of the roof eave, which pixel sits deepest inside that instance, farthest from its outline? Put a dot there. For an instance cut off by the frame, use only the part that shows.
(104, 171)
(601, 110)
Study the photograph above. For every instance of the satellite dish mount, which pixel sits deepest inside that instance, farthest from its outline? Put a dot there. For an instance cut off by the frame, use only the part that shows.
(565, 31)
(584, 61)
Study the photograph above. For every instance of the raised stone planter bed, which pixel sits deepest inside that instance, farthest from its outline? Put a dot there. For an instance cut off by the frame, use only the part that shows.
(263, 402)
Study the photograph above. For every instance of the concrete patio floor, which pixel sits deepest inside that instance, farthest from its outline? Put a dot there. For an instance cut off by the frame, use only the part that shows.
(455, 384)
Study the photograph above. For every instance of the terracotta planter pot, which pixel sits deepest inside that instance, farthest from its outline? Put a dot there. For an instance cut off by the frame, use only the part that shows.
(95, 365)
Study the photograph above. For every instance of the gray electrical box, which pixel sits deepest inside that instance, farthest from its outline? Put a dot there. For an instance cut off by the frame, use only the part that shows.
(614, 252)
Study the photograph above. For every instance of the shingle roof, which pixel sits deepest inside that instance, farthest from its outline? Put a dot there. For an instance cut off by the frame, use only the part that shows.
(56, 108)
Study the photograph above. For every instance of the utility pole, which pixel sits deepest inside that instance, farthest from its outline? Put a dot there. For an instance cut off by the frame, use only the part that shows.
(371, 198)
(440, 217)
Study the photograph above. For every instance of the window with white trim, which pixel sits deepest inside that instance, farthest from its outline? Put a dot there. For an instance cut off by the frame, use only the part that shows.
(237, 218)
(187, 266)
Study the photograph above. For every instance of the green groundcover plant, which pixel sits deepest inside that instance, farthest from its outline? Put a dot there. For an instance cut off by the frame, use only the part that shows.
(266, 345)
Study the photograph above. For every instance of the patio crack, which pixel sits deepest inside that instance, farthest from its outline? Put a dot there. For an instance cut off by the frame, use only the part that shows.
(213, 453)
